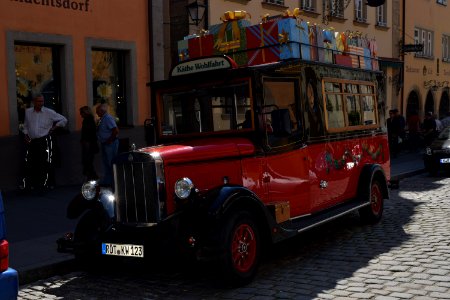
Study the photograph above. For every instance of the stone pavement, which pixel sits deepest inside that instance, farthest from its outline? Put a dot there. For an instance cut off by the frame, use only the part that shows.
(35, 222)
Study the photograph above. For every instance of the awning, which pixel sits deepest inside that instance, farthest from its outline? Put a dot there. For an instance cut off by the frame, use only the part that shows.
(390, 62)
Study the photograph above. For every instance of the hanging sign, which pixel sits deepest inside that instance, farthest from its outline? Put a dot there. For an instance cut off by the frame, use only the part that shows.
(202, 65)
(412, 48)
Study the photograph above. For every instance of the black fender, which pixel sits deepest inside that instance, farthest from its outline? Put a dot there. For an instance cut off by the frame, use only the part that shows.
(368, 173)
(78, 205)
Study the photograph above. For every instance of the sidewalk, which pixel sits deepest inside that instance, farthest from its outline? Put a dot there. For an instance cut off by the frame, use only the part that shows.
(34, 223)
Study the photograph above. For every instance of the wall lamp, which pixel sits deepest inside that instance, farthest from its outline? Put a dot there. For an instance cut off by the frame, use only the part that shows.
(196, 11)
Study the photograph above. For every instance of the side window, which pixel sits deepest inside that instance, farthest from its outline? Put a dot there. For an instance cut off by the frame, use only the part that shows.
(335, 108)
(279, 112)
(313, 111)
(350, 105)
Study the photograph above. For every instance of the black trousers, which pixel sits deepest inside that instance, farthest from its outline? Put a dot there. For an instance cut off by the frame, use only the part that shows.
(39, 172)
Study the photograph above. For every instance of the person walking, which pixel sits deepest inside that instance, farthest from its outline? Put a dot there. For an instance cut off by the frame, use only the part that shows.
(39, 124)
(413, 123)
(89, 145)
(107, 133)
(429, 128)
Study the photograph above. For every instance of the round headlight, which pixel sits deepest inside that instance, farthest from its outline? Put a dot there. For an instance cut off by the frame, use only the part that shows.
(183, 187)
(89, 190)
(428, 151)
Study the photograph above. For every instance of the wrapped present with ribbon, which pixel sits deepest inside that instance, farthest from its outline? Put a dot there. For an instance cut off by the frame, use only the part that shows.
(329, 43)
(183, 50)
(262, 43)
(357, 55)
(341, 41)
(367, 59)
(302, 27)
(201, 46)
(230, 36)
(343, 60)
(289, 38)
(374, 54)
(312, 34)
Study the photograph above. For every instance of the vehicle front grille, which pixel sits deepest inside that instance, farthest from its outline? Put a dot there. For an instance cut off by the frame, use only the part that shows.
(136, 189)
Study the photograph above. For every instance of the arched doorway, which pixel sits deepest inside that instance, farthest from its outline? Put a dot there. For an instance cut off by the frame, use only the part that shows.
(444, 105)
(429, 103)
(412, 104)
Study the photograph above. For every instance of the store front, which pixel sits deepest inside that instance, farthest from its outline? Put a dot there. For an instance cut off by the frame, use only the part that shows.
(98, 54)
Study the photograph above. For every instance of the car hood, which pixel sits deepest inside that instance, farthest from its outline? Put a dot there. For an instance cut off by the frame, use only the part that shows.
(203, 149)
(440, 144)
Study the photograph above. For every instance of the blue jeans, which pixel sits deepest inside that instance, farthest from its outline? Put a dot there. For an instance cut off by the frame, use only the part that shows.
(109, 152)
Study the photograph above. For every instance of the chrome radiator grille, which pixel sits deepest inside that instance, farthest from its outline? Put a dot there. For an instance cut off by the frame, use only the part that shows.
(136, 189)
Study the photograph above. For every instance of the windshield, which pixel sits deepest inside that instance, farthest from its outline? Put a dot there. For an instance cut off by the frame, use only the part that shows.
(215, 108)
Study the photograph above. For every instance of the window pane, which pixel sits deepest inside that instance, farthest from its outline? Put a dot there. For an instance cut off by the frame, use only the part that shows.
(335, 111)
(353, 110)
(37, 72)
(369, 110)
(109, 82)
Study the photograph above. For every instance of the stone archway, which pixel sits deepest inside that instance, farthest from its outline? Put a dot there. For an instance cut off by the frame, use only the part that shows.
(444, 105)
(413, 104)
(429, 103)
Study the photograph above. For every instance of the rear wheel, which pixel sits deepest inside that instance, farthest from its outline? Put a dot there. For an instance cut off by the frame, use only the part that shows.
(242, 252)
(373, 212)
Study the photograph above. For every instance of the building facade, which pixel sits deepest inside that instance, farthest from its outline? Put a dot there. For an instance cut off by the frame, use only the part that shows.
(426, 72)
(75, 53)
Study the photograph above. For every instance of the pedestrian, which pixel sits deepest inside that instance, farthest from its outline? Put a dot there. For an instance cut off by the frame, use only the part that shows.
(429, 128)
(89, 145)
(413, 122)
(39, 124)
(107, 133)
(396, 131)
(439, 126)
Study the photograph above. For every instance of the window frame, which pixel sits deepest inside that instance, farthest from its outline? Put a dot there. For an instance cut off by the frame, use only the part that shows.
(338, 11)
(426, 38)
(275, 2)
(344, 95)
(445, 48)
(308, 5)
(381, 15)
(360, 8)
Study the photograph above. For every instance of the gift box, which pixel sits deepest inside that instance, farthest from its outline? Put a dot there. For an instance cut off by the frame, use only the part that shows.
(357, 56)
(329, 43)
(374, 54)
(289, 38)
(183, 50)
(262, 43)
(303, 29)
(201, 46)
(367, 60)
(230, 39)
(312, 29)
(343, 60)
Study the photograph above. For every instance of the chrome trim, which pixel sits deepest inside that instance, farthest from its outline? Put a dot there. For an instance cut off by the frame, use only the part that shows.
(333, 217)
(160, 182)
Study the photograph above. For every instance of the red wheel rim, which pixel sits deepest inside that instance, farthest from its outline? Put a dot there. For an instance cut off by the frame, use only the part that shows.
(376, 199)
(243, 248)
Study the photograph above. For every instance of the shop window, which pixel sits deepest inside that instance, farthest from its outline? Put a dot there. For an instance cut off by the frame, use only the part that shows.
(37, 72)
(108, 75)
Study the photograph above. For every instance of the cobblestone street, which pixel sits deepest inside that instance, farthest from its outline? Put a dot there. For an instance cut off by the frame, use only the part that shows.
(405, 256)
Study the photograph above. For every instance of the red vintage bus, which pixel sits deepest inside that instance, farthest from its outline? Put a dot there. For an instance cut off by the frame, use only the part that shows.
(245, 156)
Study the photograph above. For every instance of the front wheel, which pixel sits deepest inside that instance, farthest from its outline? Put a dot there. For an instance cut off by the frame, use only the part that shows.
(373, 212)
(240, 259)
(86, 239)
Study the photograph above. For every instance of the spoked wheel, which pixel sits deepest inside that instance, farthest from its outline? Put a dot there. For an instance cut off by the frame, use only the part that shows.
(241, 255)
(373, 212)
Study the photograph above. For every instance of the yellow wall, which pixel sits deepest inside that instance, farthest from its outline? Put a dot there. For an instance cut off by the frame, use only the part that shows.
(103, 19)
(431, 16)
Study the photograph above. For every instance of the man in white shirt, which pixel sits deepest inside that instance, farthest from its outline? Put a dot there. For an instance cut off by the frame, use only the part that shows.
(39, 124)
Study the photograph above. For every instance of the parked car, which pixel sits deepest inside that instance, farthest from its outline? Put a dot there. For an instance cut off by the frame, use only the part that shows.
(437, 155)
(9, 279)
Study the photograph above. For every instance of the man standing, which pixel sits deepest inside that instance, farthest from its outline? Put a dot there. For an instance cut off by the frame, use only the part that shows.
(39, 124)
(107, 133)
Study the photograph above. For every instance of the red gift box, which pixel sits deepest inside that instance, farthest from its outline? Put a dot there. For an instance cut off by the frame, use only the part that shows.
(343, 60)
(201, 46)
(262, 43)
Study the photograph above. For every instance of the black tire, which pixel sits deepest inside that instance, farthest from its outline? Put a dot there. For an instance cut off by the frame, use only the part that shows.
(372, 213)
(86, 240)
(241, 249)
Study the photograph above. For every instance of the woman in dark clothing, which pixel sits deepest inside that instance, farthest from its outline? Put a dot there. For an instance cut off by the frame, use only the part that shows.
(89, 146)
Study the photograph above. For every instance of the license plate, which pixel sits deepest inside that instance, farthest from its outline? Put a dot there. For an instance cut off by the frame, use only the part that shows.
(445, 160)
(128, 250)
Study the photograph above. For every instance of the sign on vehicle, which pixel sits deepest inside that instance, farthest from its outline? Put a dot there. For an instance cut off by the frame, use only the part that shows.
(128, 250)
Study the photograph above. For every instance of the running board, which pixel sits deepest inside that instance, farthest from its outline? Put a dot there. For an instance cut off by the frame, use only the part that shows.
(316, 219)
